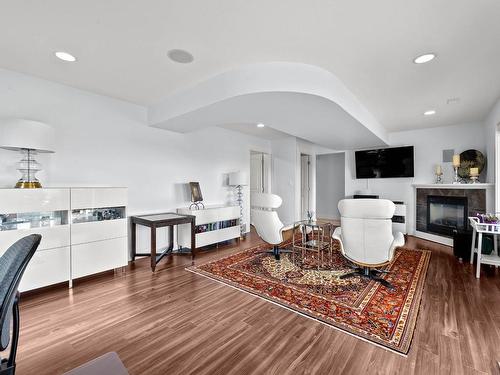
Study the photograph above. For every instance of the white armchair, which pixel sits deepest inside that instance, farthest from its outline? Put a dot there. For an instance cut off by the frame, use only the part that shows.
(266, 221)
(366, 237)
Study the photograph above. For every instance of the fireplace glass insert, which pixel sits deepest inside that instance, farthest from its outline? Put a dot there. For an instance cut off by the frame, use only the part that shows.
(446, 214)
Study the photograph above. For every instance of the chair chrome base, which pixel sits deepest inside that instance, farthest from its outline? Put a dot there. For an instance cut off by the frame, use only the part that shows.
(369, 273)
(5, 369)
(276, 251)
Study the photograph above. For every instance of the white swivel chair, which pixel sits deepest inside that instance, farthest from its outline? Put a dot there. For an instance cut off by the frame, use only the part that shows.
(366, 237)
(266, 221)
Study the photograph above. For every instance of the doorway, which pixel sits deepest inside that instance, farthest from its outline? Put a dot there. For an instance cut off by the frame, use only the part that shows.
(330, 184)
(305, 185)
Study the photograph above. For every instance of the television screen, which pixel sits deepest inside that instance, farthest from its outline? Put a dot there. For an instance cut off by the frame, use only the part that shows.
(385, 162)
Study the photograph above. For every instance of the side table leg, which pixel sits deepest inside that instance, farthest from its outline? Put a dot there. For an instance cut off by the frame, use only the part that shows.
(193, 241)
(479, 246)
(153, 248)
(473, 246)
(134, 250)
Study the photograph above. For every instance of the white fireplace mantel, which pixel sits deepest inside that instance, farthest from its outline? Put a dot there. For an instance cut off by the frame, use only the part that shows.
(454, 186)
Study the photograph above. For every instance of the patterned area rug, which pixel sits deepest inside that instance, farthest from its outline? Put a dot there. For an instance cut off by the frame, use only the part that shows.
(356, 305)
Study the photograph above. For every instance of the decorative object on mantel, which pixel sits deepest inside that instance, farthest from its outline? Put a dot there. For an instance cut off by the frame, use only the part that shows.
(474, 175)
(471, 159)
(439, 174)
(239, 179)
(196, 197)
(29, 137)
(456, 164)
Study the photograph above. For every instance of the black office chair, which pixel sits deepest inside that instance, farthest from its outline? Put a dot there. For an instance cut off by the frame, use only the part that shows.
(12, 266)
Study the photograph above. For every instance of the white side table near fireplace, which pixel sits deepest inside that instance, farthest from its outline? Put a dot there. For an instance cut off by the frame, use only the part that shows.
(478, 230)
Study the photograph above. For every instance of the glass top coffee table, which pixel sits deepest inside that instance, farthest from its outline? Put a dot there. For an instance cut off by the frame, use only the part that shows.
(310, 240)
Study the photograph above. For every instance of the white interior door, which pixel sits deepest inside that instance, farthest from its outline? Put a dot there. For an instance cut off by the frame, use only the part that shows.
(305, 185)
(260, 173)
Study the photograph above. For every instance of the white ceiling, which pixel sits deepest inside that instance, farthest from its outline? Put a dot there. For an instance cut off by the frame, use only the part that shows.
(122, 45)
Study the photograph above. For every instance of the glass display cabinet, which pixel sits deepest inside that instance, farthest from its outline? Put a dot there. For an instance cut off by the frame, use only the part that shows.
(31, 220)
(88, 215)
(84, 231)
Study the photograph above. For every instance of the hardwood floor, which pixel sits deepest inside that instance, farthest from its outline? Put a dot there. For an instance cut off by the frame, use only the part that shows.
(176, 322)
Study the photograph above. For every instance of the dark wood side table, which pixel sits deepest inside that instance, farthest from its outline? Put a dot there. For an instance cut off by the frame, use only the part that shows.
(167, 219)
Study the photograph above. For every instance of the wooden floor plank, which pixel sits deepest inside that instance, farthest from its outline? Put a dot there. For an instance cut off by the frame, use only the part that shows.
(176, 322)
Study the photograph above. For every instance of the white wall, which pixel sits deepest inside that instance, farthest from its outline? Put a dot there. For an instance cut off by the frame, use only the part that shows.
(101, 141)
(492, 135)
(330, 184)
(284, 159)
(429, 144)
(286, 175)
(491, 124)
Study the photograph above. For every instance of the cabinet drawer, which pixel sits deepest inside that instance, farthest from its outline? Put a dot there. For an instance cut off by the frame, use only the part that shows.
(98, 197)
(94, 257)
(33, 200)
(52, 237)
(208, 238)
(229, 233)
(98, 230)
(47, 267)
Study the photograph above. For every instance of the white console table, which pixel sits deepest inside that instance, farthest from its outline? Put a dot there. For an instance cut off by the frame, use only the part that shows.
(213, 224)
(84, 231)
(478, 230)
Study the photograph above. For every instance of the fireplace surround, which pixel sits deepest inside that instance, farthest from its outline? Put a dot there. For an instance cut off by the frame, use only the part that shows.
(480, 199)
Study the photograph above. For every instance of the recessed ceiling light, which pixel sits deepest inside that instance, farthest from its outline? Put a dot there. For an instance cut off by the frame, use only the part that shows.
(424, 58)
(260, 125)
(452, 100)
(65, 56)
(430, 112)
(180, 56)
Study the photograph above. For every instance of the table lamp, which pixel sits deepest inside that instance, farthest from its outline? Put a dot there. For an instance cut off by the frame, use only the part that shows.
(29, 137)
(239, 179)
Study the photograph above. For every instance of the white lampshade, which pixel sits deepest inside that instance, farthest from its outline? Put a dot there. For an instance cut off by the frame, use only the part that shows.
(238, 179)
(18, 134)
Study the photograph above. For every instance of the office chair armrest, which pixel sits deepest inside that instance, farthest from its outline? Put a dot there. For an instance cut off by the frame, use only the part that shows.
(399, 240)
(337, 235)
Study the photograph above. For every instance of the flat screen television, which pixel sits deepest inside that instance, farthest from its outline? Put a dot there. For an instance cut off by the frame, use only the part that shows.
(385, 162)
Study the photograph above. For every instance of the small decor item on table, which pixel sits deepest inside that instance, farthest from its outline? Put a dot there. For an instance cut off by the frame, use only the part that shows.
(439, 174)
(474, 175)
(456, 164)
(488, 218)
(196, 197)
(310, 215)
(471, 159)
(239, 179)
(31, 138)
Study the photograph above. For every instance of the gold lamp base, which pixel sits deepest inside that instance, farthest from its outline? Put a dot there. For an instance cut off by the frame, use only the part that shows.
(28, 185)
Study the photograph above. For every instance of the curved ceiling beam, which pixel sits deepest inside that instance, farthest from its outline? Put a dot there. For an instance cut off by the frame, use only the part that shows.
(274, 77)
